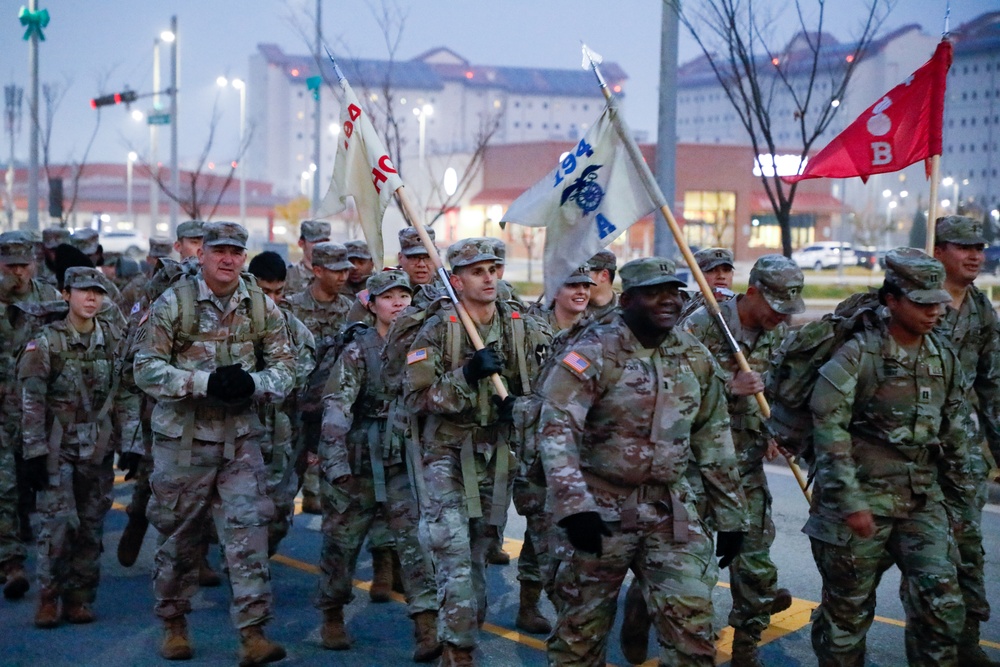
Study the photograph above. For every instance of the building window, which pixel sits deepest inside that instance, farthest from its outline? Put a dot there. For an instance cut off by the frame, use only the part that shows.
(710, 218)
(517, 104)
(517, 124)
(766, 233)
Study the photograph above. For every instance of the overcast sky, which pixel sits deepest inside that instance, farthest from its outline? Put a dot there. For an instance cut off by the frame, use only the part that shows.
(100, 46)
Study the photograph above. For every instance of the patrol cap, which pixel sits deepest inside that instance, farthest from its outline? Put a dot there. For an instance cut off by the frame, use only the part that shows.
(648, 271)
(580, 276)
(711, 258)
(604, 259)
(225, 233)
(85, 240)
(470, 251)
(332, 256)
(410, 243)
(499, 249)
(357, 250)
(314, 231)
(191, 229)
(160, 247)
(53, 236)
(16, 247)
(383, 281)
(780, 281)
(958, 229)
(918, 275)
(84, 277)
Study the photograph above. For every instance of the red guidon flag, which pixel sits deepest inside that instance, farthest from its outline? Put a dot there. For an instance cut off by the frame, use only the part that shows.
(901, 128)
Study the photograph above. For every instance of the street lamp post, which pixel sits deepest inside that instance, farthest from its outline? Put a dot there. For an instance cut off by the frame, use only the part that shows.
(170, 37)
(241, 86)
(422, 113)
(132, 157)
(953, 183)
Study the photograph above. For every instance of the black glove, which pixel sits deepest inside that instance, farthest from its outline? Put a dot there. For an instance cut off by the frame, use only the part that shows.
(505, 408)
(584, 531)
(230, 383)
(128, 462)
(36, 473)
(484, 363)
(728, 546)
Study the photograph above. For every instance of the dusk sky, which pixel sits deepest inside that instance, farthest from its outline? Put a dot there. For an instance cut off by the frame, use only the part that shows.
(91, 41)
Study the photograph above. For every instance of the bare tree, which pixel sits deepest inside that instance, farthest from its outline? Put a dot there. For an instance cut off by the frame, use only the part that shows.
(737, 39)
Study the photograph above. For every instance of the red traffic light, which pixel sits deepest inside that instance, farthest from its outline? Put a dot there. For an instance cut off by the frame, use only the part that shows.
(126, 97)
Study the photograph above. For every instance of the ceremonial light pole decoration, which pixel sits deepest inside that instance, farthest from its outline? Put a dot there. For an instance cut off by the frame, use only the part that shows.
(33, 20)
(241, 86)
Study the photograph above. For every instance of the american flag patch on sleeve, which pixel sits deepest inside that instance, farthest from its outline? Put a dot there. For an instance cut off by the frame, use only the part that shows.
(30, 346)
(417, 355)
(576, 362)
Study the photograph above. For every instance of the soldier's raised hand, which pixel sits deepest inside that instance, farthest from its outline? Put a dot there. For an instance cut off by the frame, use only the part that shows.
(746, 384)
(484, 363)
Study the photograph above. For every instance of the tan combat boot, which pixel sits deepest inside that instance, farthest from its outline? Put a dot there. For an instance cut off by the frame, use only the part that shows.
(782, 600)
(745, 650)
(47, 614)
(333, 634)
(529, 618)
(634, 634)
(496, 555)
(970, 653)
(397, 574)
(176, 644)
(381, 590)
(76, 609)
(425, 634)
(17, 581)
(256, 649)
(456, 656)
(130, 543)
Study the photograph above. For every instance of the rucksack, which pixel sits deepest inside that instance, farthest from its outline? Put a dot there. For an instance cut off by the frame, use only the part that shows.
(795, 369)
(311, 398)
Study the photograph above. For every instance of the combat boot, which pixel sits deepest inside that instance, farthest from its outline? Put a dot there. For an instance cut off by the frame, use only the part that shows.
(130, 542)
(745, 650)
(456, 656)
(425, 633)
(256, 649)
(333, 635)
(397, 574)
(529, 618)
(76, 609)
(17, 583)
(634, 636)
(176, 644)
(496, 555)
(311, 504)
(47, 614)
(782, 600)
(970, 653)
(381, 590)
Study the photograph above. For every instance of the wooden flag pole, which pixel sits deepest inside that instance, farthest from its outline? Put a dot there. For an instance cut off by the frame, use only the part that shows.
(470, 328)
(932, 207)
(710, 303)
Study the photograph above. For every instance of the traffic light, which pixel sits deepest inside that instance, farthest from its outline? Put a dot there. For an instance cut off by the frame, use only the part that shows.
(124, 97)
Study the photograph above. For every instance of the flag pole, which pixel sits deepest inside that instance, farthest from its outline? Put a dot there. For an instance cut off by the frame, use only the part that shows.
(710, 303)
(932, 208)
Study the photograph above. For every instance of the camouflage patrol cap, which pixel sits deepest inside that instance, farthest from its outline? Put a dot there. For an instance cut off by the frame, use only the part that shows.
(331, 256)
(160, 248)
(16, 247)
(410, 243)
(604, 259)
(191, 229)
(648, 271)
(958, 229)
(710, 258)
(471, 251)
(499, 249)
(383, 281)
(225, 233)
(780, 281)
(580, 277)
(314, 231)
(357, 250)
(918, 275)
(84, 277)
(85, 240)
(53, 236)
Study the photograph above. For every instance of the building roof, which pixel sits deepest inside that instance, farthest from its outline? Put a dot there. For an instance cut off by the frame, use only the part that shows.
(432, 69)
(978, 35)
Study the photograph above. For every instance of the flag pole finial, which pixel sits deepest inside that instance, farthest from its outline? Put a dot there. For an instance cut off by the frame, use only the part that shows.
(947, 20)
(591, 60)
(336, 67)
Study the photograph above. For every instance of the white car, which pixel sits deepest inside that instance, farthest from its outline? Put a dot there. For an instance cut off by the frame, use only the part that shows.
(131, 243)
(825, 255)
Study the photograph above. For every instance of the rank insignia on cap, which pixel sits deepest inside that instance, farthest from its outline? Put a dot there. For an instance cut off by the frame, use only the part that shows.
(417, 355)
(576, 363)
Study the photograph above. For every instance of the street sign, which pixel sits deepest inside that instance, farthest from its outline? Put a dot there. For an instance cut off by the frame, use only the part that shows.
(158, 119)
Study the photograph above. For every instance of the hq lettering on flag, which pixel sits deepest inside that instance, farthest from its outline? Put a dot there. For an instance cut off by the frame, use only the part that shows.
(904, 126)
(363, 170)
(594, 194)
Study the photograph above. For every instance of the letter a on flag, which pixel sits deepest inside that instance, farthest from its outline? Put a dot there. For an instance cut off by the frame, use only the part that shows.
(362, 170)
(586, 202)
(902, 127)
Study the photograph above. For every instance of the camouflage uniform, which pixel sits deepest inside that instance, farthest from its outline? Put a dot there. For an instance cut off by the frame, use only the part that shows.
(356, 250)
(605, 259)
(207, 455)
(753, 576)
(708, 259)
(52, 237)
(632, 472)
(134, 288)
(466, 453)
(72, 405)
(891, 435)
(300, 275)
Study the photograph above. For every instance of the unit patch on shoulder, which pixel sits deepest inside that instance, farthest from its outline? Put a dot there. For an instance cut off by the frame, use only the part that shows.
(417, 355)
(577, 363)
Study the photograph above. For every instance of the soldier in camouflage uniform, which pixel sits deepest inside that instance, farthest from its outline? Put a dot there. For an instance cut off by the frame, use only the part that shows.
(971, 325)
(362, 266)
(891, 433)
(603, 297)
(717, 266)
(132, 291)
(630, 405)
(190, 235)
(757, 321)
(505, 291)
(214, 345)
(52, 237)
(362, 464)
(466, 437)
(301, 275)
(569, 304)
(72, 404)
